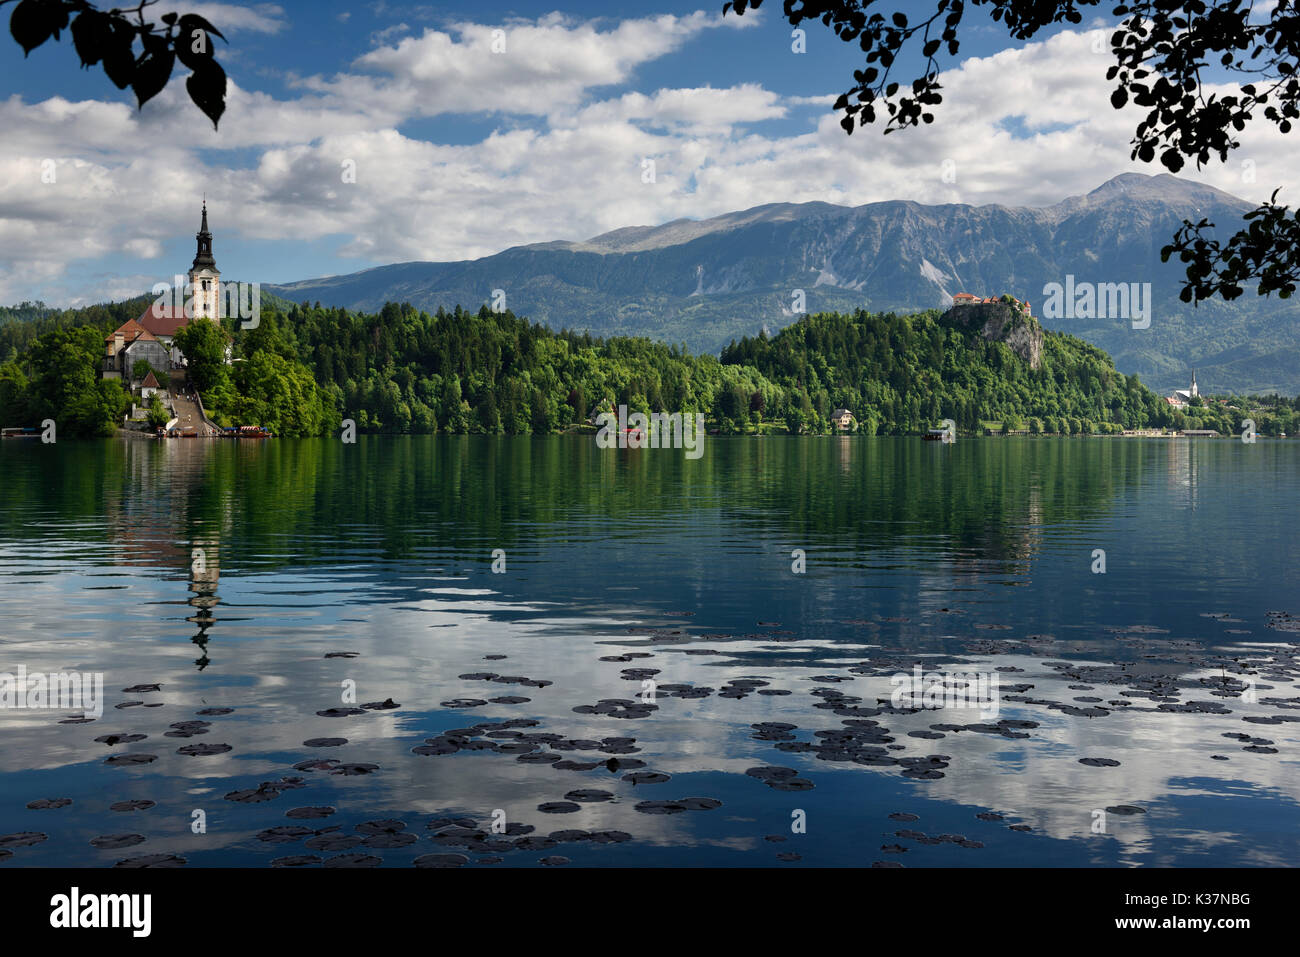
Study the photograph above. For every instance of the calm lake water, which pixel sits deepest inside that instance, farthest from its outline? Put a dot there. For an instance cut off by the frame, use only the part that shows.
(976, 558)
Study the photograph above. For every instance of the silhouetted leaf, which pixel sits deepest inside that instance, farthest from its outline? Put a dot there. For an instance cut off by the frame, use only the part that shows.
(119, 60)
(35, 21)
(207, 88)
(90, 31)
(151, 75)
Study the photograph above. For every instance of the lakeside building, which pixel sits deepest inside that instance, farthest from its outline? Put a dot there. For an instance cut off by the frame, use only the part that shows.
(1183, 397)
(152, 336)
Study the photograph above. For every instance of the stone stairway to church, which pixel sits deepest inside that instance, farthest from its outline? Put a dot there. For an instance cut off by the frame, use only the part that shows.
(189, 417)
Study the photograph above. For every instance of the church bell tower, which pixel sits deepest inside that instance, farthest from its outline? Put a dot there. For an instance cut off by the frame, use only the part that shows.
(204, 276)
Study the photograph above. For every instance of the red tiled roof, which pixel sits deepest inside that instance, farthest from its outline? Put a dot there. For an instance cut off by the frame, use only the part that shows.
(130, 331)
(164, 320)
(965, 295)
(150, 381)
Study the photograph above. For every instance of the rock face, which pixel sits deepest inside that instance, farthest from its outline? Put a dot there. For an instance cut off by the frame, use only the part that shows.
(1003, 323)
(707, 282)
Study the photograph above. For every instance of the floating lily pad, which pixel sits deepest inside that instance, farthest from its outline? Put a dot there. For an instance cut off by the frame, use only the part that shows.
(441, 860)
(699, 803)
(647, 777)
(138, 804)
(324, 742)
(309, 813)
(253, 795)
(569, 835)
(48, 804)
(114, 739)
(296, 860)
(22, 839)
(332, 841)
(660, 807)
(317, 764)
(389, 840)
(339, 712)
(352, 770)
(588, 795)
(1099, 762)
(130, 759)
(388, 825)
(559, 807)
(284, 834)
(153, 860)
(352, 860)
(203, 750)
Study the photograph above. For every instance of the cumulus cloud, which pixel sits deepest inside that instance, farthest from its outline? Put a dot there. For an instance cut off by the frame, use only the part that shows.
(1025, 126)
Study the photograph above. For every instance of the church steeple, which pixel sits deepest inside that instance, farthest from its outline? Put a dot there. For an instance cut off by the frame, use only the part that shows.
(205, 278)
(203, 257)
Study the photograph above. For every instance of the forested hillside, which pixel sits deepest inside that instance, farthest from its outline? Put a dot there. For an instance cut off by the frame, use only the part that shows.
(305, 369)
(904, 373)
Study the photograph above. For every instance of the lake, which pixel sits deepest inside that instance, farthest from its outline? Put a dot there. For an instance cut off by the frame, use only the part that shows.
(733, 632)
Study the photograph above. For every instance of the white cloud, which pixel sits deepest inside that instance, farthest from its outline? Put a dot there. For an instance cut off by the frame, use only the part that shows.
(566, 166)
(234, 17)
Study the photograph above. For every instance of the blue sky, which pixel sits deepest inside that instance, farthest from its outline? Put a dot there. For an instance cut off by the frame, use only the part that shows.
(460, 151)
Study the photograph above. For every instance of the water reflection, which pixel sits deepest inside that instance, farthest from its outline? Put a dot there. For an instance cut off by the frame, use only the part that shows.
(976, 555)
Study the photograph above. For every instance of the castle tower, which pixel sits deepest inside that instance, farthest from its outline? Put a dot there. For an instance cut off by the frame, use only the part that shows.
(204, 276)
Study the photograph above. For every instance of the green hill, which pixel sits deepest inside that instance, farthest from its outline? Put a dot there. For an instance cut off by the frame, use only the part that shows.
(404, 370)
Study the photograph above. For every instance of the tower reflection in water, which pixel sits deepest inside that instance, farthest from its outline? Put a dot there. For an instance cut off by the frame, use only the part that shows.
(205, 572)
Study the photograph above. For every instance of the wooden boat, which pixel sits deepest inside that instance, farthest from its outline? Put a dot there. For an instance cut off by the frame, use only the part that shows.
(934, 435)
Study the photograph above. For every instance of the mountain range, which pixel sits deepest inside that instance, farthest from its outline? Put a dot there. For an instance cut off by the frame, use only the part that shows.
(706, 282)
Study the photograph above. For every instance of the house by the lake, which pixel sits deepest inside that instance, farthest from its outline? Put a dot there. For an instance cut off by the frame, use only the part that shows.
(842, 419)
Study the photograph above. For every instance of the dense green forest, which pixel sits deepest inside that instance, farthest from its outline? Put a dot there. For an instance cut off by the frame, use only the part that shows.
(306, 368)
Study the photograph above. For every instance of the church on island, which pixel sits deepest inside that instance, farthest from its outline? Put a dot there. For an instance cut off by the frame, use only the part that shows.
(152, 336)
(1182, 398)
(143, 354)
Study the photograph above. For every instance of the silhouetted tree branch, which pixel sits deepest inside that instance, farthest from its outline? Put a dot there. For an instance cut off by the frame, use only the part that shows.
(133, 50)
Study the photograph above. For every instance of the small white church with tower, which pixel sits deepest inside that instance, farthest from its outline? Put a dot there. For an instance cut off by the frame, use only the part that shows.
(1183, 397)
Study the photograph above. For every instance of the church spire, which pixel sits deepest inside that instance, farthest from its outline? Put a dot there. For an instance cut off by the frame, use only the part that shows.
(203, 257)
